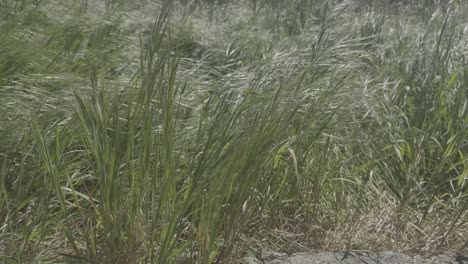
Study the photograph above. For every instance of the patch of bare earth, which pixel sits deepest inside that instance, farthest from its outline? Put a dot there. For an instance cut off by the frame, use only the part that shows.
(355, 258)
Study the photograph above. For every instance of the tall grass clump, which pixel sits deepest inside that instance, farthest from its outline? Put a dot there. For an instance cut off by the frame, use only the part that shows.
(153, 132)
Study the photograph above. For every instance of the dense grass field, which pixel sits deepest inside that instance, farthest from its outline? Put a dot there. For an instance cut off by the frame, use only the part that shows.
(211, 131)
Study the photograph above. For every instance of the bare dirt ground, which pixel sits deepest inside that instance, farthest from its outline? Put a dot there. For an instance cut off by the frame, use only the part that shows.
(357, 258)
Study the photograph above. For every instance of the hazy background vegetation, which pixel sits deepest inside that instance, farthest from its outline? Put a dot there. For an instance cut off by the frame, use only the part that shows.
(211, 131)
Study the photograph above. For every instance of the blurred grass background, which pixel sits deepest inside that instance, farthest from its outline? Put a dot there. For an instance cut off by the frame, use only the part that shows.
(212, 131)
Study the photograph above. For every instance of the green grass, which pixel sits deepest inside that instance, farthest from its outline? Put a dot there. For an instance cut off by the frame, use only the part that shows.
(212, 131)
